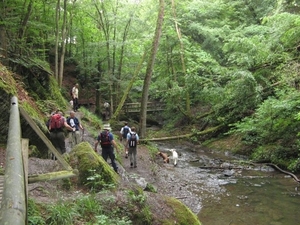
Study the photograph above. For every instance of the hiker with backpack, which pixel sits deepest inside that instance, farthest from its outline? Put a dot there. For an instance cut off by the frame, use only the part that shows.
(56, 124)
(75, 97)
(74, 135)
(107, 111)
(123, 137)
(132, 142)
(107, 142)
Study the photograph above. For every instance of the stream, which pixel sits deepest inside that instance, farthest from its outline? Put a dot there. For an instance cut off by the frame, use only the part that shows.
(223, 191)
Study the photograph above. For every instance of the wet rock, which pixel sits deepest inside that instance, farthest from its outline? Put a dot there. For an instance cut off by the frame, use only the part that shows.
(228, 173)
(141, 182)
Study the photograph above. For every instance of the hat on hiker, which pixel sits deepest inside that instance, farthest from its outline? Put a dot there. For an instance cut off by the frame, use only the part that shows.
(106, 127)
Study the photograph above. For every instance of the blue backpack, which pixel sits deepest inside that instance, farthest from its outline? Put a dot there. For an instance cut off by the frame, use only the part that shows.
(125, 132)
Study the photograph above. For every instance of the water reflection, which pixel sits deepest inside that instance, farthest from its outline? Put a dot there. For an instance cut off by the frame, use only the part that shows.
(270, 200)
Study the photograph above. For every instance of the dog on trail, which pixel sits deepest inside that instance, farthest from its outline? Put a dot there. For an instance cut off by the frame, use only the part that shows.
(164, 156)
(174, 156)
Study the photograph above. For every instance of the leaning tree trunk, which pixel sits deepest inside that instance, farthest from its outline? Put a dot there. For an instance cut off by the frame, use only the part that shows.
(57, 15)
(188, 101)
(128, 88)
(63, 45)
(150, 65)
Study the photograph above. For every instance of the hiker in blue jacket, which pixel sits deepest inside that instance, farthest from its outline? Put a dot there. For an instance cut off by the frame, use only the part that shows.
(74, 135)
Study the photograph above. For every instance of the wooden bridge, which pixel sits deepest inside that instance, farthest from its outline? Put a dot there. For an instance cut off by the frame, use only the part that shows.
(136, 107)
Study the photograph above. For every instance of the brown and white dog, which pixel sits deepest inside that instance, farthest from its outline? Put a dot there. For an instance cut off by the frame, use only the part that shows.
(164, 156)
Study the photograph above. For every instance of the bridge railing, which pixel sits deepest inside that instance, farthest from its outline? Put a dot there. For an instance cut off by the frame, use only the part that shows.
(14, 197)
(136, 107)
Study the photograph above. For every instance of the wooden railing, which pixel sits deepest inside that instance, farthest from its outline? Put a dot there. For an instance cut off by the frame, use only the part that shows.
(136, 107)
(14, 183)
(14, 196)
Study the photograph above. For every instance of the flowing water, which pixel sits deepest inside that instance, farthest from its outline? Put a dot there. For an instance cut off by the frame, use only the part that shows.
(221, 191)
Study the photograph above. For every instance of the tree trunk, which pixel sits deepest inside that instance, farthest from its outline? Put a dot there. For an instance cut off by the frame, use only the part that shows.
(98, 79)
(57, 13)
(187, 101)
(126, 92)
(119, 72)
(63, 45)
(103, 25)
(149, 70)
(3, 46)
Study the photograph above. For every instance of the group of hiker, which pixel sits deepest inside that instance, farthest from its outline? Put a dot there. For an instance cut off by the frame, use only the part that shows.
(56, 123)
(128, 137)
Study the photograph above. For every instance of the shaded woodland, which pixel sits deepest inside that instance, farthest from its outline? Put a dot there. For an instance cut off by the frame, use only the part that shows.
(229, 67)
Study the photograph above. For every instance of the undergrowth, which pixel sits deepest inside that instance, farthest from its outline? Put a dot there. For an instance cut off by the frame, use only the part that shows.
(92, 209)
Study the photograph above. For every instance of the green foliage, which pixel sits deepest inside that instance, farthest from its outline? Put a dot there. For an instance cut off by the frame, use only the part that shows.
(272, 130)
(137, 197)
(294, 165)
(56, 94)
(34, 213)
(93, 121)
(96, 181)
(237, 99)
(137, 200)
(88, 207)
(61, 213)
(83, 209)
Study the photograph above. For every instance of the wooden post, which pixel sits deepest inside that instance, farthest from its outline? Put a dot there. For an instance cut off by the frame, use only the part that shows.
(45, 139)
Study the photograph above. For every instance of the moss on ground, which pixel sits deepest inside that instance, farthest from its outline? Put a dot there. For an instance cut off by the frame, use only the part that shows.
(90, 164)
(182, 214)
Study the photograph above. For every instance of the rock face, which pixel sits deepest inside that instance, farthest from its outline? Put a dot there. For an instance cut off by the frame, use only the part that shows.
(4, 111)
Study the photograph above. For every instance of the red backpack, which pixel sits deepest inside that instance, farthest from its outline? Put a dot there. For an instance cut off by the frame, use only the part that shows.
(56, 122)
(104, 139)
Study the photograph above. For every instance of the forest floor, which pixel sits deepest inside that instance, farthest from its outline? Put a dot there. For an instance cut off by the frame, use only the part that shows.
(150, 170)
(53, 191)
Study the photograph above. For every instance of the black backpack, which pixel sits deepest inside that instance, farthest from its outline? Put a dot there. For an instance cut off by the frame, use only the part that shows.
(125, 132)
(132, 141)
(104, 139)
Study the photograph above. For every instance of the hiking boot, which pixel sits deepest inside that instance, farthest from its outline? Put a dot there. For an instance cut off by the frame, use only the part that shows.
(126, 156)
(131, 165)
(135, 166)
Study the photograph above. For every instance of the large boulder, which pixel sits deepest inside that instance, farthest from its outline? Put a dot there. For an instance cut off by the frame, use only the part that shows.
(94, 171)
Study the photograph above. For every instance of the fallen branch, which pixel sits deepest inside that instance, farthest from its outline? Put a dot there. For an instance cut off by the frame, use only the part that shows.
(181, 197)
(219, 168)
(283, 171)
(207, 131)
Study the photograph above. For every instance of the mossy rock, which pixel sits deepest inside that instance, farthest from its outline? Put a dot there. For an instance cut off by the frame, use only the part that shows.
(182, 214)
(89, 163)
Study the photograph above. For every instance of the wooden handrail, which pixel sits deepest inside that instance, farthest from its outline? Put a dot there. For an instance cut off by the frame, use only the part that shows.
(14, 200)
